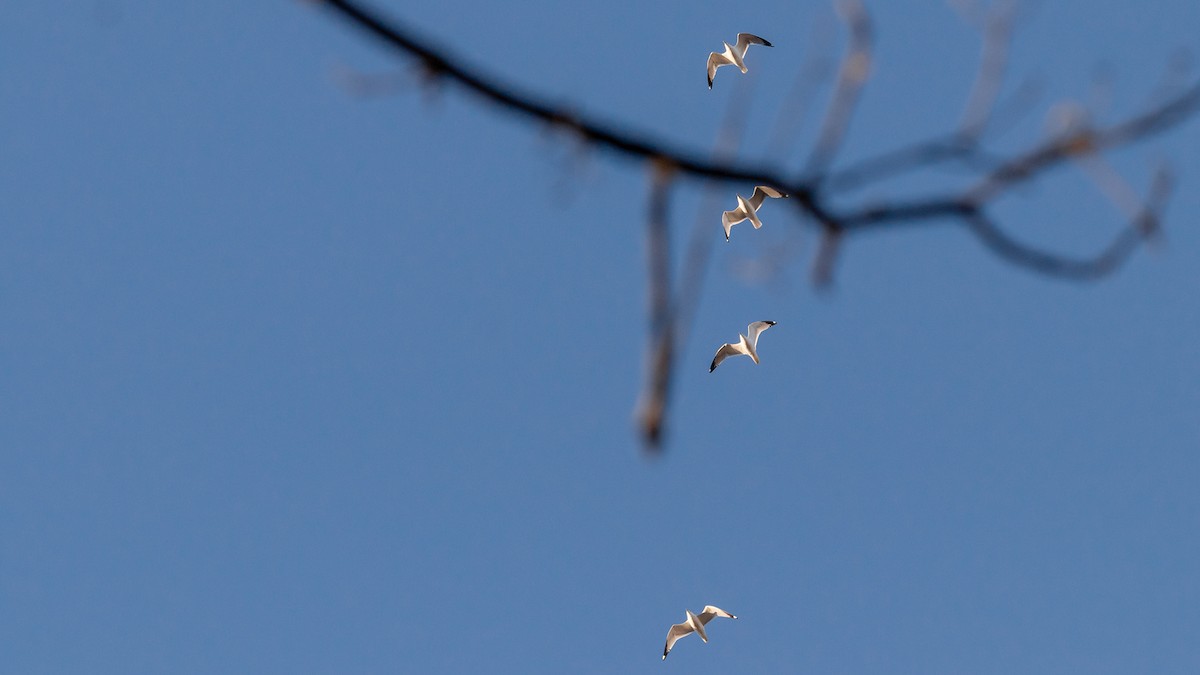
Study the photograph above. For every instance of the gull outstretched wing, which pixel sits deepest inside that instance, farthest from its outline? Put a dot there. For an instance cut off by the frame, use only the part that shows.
(746, 39)
(677, 631)
(731, 218)
(724, 351)
(761, 192)
(710, 612)
(754, 329)
(715, 61)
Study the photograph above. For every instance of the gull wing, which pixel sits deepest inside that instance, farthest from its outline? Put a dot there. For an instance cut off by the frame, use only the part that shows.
(724, 351)
(731, 218)
(710, 612)
(753, 330)
(715, 61)
(677, 631)
(746, 39)
(761, 192)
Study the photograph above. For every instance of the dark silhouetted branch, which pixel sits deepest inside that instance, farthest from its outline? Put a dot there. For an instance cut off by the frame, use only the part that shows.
(1111, 257)
(807, 194)
(812, 189)
(439, 64)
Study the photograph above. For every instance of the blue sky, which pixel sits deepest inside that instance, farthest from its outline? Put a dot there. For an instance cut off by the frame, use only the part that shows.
(293, 380)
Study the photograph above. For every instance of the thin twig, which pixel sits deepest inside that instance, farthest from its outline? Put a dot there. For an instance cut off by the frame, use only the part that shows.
(924, 154)
(813, 73)
(827, 252)
(962, 144)
(1082, 269)
(1143, 223)
(993, 62)
(1082, 142)
(856, 66)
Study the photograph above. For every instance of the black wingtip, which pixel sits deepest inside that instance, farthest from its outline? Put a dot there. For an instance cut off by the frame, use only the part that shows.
(767, 43)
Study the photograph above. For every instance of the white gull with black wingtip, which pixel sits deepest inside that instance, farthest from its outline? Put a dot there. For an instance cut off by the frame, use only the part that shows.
(693, 623)
(746, 345)
(733, 54)
(748, 208)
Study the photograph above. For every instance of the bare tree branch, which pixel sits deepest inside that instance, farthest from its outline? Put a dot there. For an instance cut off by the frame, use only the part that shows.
(856, 67)
(814, 72)
(661, 350)
(729, 139)
(807, 195)
(671, 317)
(439, 64)
(963, 143)
(1083, 142)
(812, 190)
(1103, 263)
(923, 154)
(993, 62)
(831, 241)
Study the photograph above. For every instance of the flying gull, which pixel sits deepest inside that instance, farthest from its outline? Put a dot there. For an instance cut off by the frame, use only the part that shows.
(733, 55)
(748, 208)
(746, 345)
(693, 623)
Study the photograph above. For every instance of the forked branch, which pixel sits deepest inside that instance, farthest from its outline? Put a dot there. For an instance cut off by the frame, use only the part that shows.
(813, 187)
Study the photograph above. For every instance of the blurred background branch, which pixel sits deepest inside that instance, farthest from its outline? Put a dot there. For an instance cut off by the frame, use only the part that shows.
(1077, 141)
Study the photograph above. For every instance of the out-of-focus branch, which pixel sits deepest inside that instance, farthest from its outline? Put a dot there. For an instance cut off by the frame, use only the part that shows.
(934, 151)
(812, 190)
(831, 241)
(661, 349)
(923, 154)
(853, 73)
(671, 314)
(366, 85)
(993, 62)
(815, 71)
(807, 194)
(963, 143)
(1082, 142)
(729, 138)
(1118, 250)
(438, 63)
